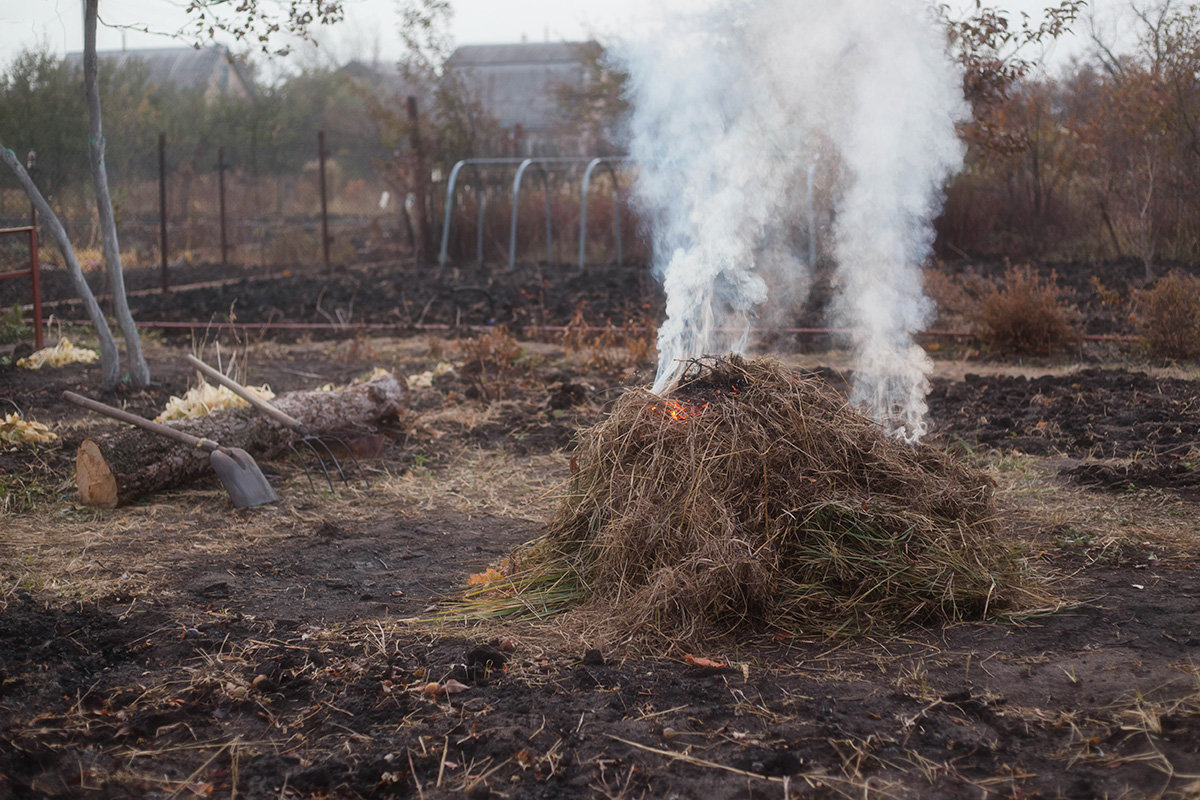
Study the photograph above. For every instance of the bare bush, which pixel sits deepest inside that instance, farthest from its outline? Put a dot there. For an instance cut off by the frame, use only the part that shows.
(1024, 313)
(1168, 317)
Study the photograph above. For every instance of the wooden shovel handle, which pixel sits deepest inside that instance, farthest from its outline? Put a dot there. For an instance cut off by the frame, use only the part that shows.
(247, 395)
(133, 419)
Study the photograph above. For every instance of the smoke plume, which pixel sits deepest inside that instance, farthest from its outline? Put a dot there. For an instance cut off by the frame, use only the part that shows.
(731, 108)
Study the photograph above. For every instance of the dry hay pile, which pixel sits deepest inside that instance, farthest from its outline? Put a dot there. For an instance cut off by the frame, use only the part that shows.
(755, 498)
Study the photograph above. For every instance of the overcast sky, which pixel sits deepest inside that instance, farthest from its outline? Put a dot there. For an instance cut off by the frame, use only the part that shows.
(369, 29)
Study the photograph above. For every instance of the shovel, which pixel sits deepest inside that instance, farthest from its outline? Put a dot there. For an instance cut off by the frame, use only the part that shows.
(238, 472)
(315, 444)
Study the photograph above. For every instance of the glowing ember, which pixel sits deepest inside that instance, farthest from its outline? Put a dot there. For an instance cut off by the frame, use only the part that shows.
(687, 409)
(677, 410)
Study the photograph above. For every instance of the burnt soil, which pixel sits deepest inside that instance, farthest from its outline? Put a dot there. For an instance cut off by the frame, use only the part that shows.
(1127, 430)
(181, 648)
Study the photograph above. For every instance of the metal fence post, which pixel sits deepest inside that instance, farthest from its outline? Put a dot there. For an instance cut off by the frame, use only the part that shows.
(162, 208)
(324, 200)
(36, 278)
(34, 275)
(221, 204)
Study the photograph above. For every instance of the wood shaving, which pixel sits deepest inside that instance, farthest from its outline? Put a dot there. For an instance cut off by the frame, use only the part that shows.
(202, 400)
(17, 431)
(62, 353)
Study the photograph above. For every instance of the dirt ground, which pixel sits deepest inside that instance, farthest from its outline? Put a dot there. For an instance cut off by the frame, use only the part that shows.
(179, 647)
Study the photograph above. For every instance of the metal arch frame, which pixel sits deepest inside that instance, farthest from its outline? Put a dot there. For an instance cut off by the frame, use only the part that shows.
(541, 162)
(516, 211)
(522, 166)
(608, 162)
(474, 164)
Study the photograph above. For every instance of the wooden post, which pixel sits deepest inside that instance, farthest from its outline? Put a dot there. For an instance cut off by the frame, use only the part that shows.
(324, 199)
(420, 184)
(162, 207)
(221, 204)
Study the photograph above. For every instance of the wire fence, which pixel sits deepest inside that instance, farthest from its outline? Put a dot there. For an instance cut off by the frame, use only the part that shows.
(254, 209)
(231, 209)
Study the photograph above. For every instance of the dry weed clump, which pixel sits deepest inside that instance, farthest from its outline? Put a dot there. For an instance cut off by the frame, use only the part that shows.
(1168, 317)
(609, 349)
(1025, 314)
(490, 361)
(755, 498)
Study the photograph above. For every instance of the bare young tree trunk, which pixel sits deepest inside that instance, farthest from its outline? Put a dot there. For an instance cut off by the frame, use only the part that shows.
(139, 373)
(110, 366)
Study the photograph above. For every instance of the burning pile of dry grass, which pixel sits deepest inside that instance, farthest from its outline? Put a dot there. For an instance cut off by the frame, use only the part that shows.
(754, 497)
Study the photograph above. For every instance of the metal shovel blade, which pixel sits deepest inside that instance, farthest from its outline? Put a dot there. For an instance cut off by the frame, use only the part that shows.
(241, 477)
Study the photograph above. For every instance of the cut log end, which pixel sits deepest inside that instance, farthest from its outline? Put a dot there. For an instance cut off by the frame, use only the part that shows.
(93, 477)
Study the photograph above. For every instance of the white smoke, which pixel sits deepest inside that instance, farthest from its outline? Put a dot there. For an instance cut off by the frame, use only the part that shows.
(730, 109)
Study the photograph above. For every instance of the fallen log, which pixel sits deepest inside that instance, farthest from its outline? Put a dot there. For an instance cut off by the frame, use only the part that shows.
(116, 468)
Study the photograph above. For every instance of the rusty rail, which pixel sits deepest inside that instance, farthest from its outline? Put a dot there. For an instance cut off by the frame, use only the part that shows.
(396, 327)
(35, 275)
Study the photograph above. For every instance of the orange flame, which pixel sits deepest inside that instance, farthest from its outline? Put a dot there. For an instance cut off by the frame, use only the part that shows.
(680, 411)
(683, 410)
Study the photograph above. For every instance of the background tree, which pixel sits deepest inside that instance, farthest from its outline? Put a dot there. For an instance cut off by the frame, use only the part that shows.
(456, 124)
(139, 372)
(596, 106)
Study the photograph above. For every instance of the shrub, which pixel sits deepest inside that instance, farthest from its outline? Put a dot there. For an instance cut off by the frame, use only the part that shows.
(1025, 314)
(12, 326)
(1168, 317)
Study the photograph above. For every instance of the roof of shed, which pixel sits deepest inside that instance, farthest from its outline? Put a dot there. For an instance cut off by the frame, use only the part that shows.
(185, 67)
(525, 53)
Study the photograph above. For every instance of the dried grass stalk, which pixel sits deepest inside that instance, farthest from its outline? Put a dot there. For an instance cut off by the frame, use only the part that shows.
(755, 497)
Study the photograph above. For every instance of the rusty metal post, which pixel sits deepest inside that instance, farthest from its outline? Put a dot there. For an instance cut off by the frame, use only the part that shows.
(221, 204)
(35, 276)
(420, 183)
(324, 199)
(162, 208)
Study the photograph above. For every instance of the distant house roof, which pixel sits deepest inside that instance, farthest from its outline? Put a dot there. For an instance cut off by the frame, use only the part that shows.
(213, 69)
(517, 83)
(386, 76)
(524, 54)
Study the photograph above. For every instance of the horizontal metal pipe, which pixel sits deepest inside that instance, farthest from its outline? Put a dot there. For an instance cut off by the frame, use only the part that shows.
(399, 326)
